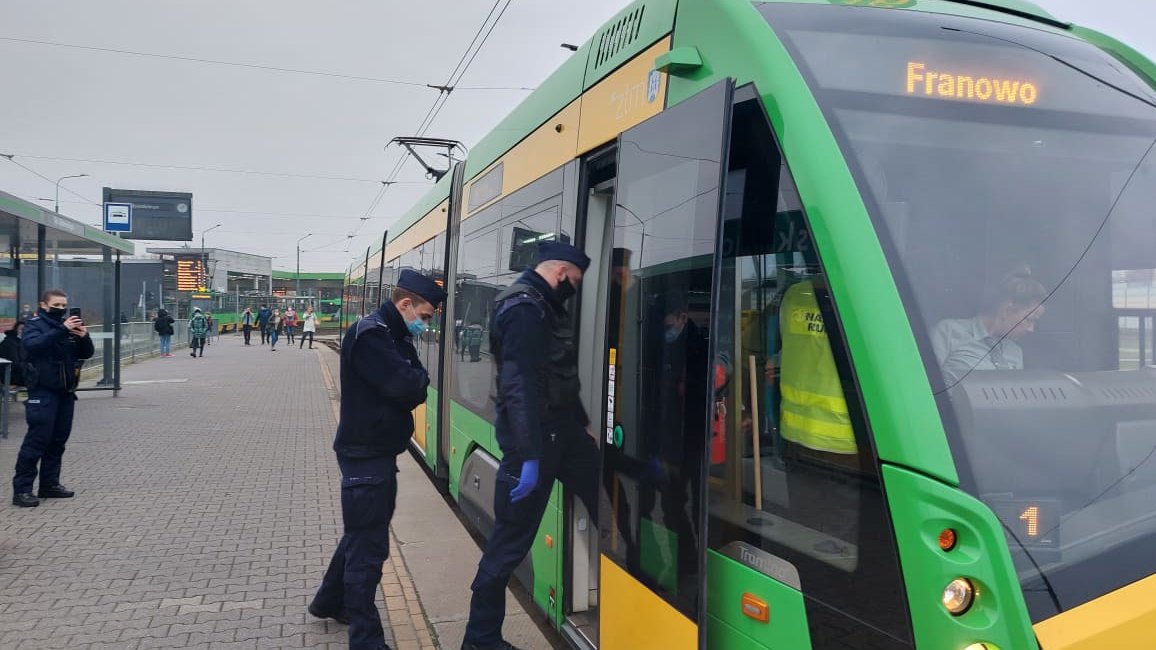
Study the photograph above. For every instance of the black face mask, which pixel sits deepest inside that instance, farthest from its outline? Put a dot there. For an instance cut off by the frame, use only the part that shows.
(565, 290)
(56, 313)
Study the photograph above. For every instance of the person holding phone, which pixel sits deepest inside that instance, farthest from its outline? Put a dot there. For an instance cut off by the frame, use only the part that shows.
(56, 343)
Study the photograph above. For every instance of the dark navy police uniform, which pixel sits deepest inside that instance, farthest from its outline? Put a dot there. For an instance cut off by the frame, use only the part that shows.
(54, 360)
(382, 382)
(539, 416)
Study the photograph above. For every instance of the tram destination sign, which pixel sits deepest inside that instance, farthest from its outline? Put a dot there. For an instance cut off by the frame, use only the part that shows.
(156, 216)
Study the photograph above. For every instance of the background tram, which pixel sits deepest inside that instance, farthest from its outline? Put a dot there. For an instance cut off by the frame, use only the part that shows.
(908, 252)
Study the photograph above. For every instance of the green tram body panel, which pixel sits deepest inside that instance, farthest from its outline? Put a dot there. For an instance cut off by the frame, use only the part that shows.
(919, 473)
(468, 432)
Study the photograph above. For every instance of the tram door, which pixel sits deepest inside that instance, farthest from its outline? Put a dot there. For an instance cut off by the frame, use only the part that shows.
(657, 372)
(595, 234)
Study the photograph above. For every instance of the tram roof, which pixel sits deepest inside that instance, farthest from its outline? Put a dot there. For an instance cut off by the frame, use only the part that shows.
(581, 71)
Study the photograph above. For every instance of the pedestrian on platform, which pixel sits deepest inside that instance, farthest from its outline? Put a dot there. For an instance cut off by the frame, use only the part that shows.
(290, 323)
(541, 426)
(198, 329)
(12, 349)
(263, 323)
(163, 325)
(212, 328)
(247, 320)
(56, 345)
(276, 327)
(382, 382)
(309, 327)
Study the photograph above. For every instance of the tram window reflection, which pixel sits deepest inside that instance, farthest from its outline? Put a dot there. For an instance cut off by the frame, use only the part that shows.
(794, 488)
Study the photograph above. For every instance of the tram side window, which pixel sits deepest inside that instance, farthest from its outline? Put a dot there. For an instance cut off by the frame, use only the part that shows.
(389, 279)
(477, 285)
(794, 481)
(498, 243)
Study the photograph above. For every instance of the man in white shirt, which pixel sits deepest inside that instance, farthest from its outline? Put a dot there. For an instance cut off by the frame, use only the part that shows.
(989, 341)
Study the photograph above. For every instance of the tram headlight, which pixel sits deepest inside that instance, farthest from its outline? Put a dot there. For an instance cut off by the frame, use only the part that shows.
(981, 646)
(958, 596)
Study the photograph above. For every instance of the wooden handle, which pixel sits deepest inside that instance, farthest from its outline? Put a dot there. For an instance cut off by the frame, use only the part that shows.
(755, 433)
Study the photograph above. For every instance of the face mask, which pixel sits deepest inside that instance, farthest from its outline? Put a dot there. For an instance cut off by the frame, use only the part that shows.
(417, 326)
(672, 333)
(56, 313)
(565, 290)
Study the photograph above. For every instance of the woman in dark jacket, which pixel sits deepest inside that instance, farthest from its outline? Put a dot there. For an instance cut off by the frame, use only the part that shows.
(163, 324)
(12, 350)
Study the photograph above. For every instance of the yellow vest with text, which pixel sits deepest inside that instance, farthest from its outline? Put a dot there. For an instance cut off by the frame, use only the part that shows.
(814, 411)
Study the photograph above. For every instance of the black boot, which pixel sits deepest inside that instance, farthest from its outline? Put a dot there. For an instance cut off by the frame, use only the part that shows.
(57, 491)
(317, 612)
(25, 500)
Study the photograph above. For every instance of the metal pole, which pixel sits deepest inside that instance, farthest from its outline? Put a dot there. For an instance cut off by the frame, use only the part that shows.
(41, 252)
(297, 291)
(108, 353)
(365, 282)
(56, 205)
(204, 262)
(381, 270)
(116, 326)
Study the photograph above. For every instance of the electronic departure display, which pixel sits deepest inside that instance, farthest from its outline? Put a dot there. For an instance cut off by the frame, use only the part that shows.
(942, 83)
(190, 274)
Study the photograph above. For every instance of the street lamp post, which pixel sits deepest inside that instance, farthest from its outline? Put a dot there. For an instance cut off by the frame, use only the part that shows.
(205, 257)
(297, 293)
(56, 206)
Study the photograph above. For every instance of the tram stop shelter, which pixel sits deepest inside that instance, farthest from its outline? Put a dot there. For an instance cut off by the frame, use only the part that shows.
(40, 250)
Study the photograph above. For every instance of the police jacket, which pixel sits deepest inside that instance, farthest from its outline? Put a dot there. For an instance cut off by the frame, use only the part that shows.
(54, 355)
(382, 382)
(536, 361)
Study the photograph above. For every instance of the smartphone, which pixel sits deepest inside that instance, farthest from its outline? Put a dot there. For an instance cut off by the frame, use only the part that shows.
(74, 311)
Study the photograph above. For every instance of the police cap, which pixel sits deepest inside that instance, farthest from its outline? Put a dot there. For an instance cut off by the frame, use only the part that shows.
(427, 289)
(556, 250)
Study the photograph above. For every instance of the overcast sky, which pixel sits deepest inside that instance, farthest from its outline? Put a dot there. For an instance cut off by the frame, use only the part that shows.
(86, 105)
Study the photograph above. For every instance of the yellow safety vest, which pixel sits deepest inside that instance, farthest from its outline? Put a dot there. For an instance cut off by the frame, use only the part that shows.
(814, 411)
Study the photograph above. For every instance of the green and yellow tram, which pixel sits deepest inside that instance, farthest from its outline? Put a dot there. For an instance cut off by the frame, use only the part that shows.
(868, 334)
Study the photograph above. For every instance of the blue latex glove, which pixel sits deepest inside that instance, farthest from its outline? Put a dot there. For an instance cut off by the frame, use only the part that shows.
(526, 482)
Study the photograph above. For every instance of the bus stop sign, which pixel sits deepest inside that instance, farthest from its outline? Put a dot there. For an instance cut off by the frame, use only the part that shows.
(118, 217)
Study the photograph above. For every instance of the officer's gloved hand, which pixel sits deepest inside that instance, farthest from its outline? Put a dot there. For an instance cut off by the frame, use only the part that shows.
(526, 482)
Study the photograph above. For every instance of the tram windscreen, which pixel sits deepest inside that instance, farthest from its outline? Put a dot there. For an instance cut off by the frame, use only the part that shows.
(1011, 174)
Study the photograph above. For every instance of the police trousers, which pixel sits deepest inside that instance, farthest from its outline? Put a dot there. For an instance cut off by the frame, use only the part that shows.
(570, 458)
(368, 498)
(49, 415)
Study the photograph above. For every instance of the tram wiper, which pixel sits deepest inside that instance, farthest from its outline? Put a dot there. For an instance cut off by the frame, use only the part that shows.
(1064, 62)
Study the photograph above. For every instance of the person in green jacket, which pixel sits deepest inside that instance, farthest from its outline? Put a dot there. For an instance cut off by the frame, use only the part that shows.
(198, 329)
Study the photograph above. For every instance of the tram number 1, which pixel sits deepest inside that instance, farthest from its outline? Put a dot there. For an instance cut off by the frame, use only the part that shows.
(1033, 522)
(1032, 518)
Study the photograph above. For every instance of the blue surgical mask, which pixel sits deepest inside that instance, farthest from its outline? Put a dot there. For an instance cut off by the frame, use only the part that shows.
(417, 326)
(673, 332)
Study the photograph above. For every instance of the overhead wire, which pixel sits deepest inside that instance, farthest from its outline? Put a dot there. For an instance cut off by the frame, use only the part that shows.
(238, 64)
(456, 75)
(12, 159)
(203, 168)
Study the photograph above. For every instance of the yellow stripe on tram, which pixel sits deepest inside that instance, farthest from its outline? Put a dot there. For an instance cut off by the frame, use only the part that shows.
(633, 617)
(1125, 618)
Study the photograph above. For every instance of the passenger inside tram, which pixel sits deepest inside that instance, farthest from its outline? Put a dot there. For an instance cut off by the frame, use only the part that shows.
(989, 340)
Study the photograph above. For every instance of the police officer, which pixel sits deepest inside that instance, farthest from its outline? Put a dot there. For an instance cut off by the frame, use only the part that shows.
(382, 382)
(56, 347)
(541, 426)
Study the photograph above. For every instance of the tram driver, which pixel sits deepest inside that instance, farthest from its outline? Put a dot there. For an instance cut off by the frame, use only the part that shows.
(988, 341)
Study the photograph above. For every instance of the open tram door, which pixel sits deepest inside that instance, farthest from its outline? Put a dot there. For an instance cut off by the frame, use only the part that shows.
(657, 396)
